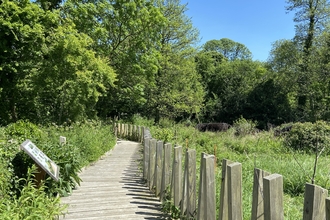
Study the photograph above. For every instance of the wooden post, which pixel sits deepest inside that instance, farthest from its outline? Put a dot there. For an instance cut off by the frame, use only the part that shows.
(143, 136)
(115, 129)
(235, 209)
(257, 212)
(62, 140)
(273, 197)
(146, 158)
(120, 128)
(123, 135)
(152, 162)
(206, 197)
(138, 134)
(314, 202)
(188, 206)
(200, 211)
(134, 134)
(176, 190)
(223, 211)
(327, 208)
(130, 132)
(126, 132)
(158, 167)
(166, 174)
(123, 131)
(39, 176)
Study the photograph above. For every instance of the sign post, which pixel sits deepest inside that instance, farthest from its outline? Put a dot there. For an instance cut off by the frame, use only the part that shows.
(44, 164)
(62, 140)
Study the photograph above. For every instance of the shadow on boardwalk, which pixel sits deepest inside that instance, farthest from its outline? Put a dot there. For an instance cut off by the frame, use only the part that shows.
(113, 188)
(141, 195)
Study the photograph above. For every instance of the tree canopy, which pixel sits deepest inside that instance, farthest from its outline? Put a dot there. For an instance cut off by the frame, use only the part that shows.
(73, 60)
(228, 48)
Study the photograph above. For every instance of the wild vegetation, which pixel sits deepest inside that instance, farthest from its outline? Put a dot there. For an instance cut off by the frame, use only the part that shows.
(20, 198)
(63, 63)
(264, 150)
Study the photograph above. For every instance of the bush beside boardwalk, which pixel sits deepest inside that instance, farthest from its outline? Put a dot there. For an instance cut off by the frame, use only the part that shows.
(86, 142)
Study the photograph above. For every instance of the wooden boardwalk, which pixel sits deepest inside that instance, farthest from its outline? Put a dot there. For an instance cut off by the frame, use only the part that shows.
(113, 188)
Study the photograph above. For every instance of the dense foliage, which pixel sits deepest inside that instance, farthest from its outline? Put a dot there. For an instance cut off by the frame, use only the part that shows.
(64, 62)
(20, 198)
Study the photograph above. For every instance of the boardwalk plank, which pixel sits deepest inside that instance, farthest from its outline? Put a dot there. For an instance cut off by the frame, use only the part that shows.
(112, 188)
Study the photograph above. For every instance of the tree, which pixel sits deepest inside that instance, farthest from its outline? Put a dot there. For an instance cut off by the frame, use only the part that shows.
(49, 4)
(228, 76)
(228, 48)
(228, 87)
(48, 71)
(206, 64)
(128, 33)
(284, 62)
(319, 87)
(268, 102)
(71, 79)
(22, 34)
(176, 89)
(311, 19)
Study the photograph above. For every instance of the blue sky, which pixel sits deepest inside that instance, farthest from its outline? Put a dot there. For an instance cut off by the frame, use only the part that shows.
(255, 23)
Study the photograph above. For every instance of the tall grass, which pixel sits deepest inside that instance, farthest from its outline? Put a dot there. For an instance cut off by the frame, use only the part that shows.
(254, 150)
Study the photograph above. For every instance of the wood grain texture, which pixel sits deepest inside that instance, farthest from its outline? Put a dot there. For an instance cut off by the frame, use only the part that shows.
(113, 189)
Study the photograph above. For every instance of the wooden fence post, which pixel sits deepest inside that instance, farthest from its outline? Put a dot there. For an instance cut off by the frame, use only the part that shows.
(143, 134)
(118, 130)
(158, 167)
(257, 212)
(223, 211)
(146, 158)
(152, 162)
(176, 185)
(188, 204)
(134, 134)
(166, 174)
(115, 130)
(235, 191)
(273, 197)
(130, 132)
(123, 135)
(327, 208)
(314, 202)
(122, 131)
(206, 197)
(139, 134)
(126, 131)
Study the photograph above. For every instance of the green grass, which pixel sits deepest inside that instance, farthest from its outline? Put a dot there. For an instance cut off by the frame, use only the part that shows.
(19, 198)
(261, 150)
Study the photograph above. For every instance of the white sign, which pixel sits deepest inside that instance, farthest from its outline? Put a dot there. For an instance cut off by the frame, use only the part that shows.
(41, 159)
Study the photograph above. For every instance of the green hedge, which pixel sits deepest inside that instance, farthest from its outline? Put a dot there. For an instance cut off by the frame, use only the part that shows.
(309, 137)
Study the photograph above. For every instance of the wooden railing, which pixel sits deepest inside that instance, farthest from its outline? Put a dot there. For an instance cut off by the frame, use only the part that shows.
(163, 171)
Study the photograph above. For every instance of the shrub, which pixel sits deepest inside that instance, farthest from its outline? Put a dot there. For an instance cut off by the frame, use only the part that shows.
(244, 127)
(164, 134)
(33, 202)
(22, 130)
(309, 137)
(68, 159)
